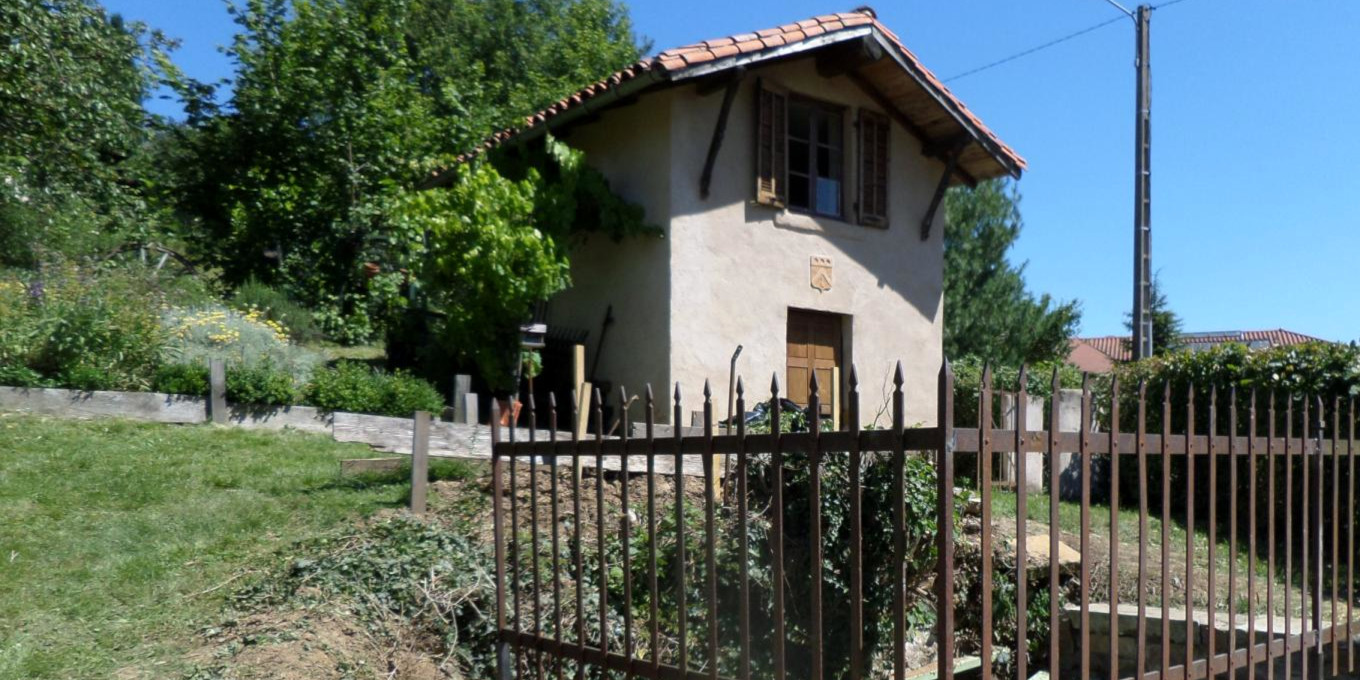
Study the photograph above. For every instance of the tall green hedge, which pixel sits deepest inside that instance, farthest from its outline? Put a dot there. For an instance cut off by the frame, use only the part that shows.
(1038, 381)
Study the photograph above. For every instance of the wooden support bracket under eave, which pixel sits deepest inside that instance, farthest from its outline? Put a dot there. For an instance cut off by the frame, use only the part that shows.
(951, 163)
(720, 131)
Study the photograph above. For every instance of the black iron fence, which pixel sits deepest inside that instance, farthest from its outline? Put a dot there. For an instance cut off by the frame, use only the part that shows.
(819, 554)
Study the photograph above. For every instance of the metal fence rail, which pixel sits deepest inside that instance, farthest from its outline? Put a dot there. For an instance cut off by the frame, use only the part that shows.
(658, 580)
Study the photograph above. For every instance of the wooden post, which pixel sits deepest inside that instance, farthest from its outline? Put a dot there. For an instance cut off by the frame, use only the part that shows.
(578, 381)
(217, 391)
(462, 386)
(420, 462)
(583, 388)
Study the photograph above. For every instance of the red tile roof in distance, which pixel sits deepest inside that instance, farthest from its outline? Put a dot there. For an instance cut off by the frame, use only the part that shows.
(681, 58)
(1111, 346)
(1114, 346)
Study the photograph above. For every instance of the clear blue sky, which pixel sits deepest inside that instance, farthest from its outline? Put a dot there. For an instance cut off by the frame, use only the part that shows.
(1256, 200)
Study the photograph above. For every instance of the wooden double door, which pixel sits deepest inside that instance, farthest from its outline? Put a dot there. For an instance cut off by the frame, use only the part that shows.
(814, 345)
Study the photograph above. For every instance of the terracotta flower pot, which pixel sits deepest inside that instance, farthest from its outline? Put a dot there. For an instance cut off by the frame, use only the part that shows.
(509, 413)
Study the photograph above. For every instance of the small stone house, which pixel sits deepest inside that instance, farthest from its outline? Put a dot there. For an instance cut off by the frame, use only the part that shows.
(797, 173)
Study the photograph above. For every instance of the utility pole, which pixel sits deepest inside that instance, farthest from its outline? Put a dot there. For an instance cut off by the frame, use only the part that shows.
(1142, 192)
(1142, 183)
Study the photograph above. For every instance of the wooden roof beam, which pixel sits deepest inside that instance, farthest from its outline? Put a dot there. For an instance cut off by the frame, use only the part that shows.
(720, 131)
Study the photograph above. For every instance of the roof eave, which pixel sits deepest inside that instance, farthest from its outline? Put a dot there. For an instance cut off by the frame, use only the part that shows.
(984, 140)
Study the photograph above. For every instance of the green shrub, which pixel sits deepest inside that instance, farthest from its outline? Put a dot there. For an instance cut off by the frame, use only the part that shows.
(878, 565)
(1038, 382)
(20, 376)
(188, 379)
(261, 385)
(277, 306)
(244, 339)
(74, 328)
(1287, 377)
(355, 387)
(1318, 369)
(258, 385)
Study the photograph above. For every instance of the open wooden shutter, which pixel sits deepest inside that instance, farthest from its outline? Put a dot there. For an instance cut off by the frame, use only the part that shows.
(771, 144)
(874, 132)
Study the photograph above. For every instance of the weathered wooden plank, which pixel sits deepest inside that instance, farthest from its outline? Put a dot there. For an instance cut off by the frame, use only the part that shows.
(304, 418)
(356, 466)
(473, 442)
(147, 406)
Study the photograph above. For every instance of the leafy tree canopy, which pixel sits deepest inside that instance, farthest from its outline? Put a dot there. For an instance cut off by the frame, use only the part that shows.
(339, 106)
(988, 312)
(73, 176)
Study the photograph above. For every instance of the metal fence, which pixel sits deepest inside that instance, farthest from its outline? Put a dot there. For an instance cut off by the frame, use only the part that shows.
(660, 579)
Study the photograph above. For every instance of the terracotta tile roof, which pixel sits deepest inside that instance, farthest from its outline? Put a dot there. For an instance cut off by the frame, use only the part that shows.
(679, 59)
(1111, 346)
(1115, 347)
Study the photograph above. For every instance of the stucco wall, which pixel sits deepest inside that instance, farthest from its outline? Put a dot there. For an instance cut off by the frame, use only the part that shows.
(630, 145)
(737, 268)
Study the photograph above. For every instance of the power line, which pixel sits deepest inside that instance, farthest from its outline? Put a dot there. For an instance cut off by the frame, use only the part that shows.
(1044, 46)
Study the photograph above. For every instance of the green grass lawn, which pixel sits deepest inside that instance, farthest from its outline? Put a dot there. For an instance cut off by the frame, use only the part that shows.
(116, 538)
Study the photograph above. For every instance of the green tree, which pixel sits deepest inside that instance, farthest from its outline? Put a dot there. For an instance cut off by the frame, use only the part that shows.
(340, 106)
(497, 244)
(988, 312)
(73, 129)
(1167, 327)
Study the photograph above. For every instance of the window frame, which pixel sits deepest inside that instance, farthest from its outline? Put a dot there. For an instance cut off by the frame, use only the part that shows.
(828, 109)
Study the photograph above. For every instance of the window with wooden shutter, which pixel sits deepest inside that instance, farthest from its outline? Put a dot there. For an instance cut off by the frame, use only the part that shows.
(771, 144)
(874, 132)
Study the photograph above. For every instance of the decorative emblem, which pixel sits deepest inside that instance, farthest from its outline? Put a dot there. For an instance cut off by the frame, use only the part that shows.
(821, 273)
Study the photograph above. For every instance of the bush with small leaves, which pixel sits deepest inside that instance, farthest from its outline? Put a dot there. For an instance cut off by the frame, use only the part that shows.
(358, 388)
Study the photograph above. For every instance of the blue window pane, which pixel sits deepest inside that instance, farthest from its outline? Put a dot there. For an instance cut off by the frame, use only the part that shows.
(828, 196)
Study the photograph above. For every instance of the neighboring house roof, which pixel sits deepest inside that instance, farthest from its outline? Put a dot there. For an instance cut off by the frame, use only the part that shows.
(895, 78)
(1253, 339)
(1096, 355)
(1112, 346)
(1090, 354)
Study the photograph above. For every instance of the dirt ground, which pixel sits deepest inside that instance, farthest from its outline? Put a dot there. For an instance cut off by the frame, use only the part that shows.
(1128, 562)
(312, 643)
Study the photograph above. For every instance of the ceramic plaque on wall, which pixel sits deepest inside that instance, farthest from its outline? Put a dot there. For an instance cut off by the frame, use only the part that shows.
(821, 273)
